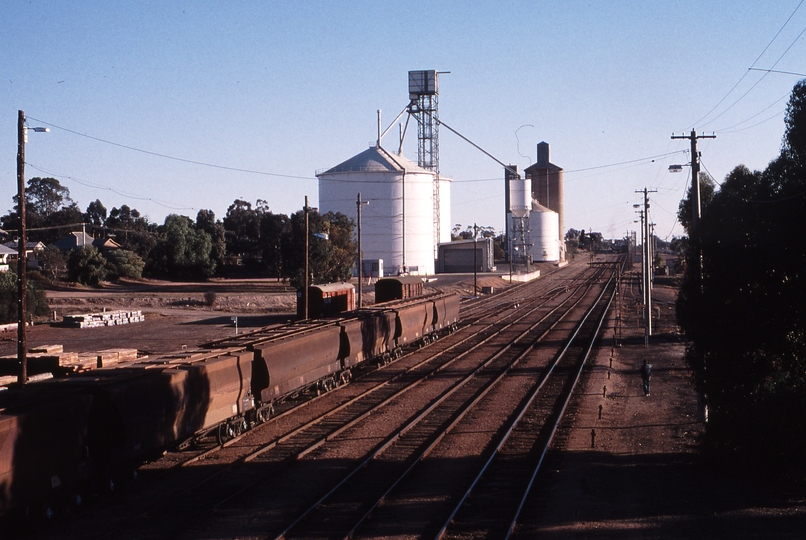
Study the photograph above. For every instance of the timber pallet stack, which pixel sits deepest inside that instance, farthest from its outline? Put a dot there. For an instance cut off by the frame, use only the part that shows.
(106, 318)
(47, 361)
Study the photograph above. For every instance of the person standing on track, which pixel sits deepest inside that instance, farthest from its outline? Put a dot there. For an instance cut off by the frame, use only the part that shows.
(646, 375)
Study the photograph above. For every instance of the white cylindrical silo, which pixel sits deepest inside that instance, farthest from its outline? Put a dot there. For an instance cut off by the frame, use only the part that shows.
(545, 226)
(398, 223)
(520, 196)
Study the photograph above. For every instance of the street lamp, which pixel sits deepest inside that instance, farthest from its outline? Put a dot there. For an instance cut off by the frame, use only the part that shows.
(358, 204)
(22, 244)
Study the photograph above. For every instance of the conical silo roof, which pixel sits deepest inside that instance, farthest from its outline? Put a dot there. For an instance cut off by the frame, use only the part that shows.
(375, 159)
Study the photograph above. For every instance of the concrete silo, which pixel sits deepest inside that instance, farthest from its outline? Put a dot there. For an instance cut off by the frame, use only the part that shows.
(398, 223)
(547, 188)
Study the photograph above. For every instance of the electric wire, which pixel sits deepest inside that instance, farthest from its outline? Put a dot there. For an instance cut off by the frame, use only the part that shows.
(173, 158)
(751, 66)
(758, 81)
(170, 206)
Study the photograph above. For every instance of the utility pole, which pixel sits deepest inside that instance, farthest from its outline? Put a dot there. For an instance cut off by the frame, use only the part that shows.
(696, 210)
(359, 203)
(307, 257)
(22, 344)
(475, 263)
(647, 253)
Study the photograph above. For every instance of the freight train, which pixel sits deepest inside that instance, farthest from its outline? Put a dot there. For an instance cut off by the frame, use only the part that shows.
(62, 436)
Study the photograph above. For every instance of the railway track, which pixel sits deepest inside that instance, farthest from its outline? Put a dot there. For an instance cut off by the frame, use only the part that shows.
(243, 471)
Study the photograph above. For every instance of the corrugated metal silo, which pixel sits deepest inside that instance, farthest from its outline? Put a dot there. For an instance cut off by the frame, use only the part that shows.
(544, 225)
(398, 223)
(548, 189)
(520, 196)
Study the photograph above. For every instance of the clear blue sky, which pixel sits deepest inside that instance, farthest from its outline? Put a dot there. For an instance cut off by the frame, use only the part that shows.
(288, 88)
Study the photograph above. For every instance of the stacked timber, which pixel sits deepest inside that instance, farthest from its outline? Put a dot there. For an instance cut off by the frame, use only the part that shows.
(106, 318)
(53, 360)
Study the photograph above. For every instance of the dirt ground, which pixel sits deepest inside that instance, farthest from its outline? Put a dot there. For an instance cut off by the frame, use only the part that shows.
(636, 471)
(176, 315)
(639, 476)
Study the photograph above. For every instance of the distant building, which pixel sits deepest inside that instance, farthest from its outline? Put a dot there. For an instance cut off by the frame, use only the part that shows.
(32, 250)
(81, 239)
(7, 255)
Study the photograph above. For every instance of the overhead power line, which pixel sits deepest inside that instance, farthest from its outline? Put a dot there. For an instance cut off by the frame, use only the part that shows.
(751, 67)
(174, 158)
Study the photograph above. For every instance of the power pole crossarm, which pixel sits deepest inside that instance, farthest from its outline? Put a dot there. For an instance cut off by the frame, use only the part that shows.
(696, 211)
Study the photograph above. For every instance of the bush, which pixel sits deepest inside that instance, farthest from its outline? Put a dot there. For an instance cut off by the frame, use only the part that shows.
(121, 263)
(36, 298)
(210, 298)
(86, 265)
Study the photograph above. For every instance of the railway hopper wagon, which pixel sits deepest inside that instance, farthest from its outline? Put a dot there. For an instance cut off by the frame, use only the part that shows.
(446, 312)
(43, 457)
(369, 335)
(142, 408)
(288, 364)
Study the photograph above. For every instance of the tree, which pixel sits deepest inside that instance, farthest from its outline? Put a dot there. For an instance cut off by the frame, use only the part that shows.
(96, 214)
(273, 228)
(46, 196)
(206, 221)
(121, 263)
(132, 231)
(684, 210)
(329, 260)
(36, 298)
(242, 222)
(52, 262)
(86, 265)
(182, 252)
(745, 317)
(48, 206)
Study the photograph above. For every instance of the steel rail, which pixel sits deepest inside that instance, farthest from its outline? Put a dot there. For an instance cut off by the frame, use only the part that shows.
(518, 418)
(287, 436)
(556, 425)
(424, 413)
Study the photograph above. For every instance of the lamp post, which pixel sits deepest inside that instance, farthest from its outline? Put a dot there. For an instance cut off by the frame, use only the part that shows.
(475, 264)
(22, 244)
(307, 279)
(359, 203)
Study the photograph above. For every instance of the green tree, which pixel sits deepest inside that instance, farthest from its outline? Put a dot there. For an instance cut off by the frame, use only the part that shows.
(684, 209)
(121, 263)
(36, 298)
(86, 265)
(273, 228)
(48, 206)
(52, 262)
(46, 195)
(132, 230)
(206, 221)
(745, 318)
(330, 260)
(182, 252)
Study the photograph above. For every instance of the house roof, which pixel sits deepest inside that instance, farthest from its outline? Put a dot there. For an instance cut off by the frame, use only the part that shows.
(5, 250)
(29, 245)
(80, 239)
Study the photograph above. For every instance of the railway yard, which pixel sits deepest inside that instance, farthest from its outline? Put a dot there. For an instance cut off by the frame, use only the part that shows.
(528, 420)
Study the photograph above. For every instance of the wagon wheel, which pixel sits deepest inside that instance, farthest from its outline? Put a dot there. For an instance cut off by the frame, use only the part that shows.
(263, 414)
(223, 434)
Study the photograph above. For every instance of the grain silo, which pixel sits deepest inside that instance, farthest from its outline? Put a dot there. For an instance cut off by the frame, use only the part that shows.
(397, 225)
(547, 188)
(544, 225)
